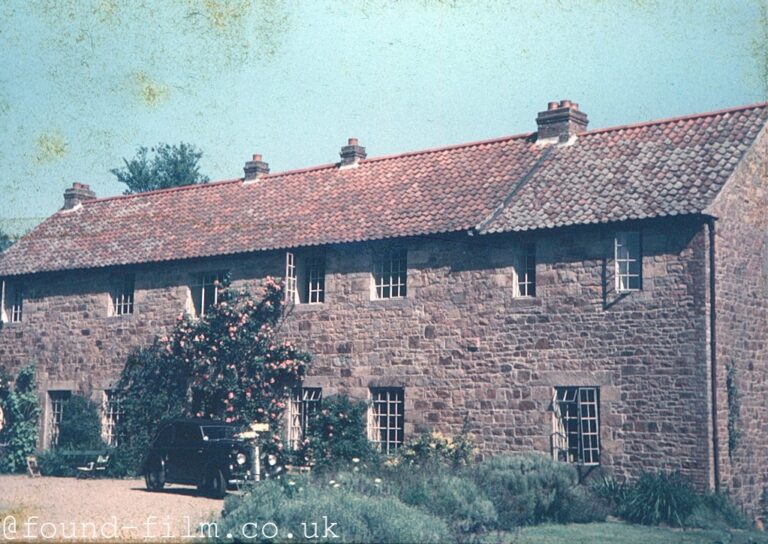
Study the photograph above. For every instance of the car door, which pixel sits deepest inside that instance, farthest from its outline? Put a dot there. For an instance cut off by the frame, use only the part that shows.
(188, 452)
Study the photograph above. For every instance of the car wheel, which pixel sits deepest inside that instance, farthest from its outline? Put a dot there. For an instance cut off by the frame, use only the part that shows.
(216, 485)
(154, 478)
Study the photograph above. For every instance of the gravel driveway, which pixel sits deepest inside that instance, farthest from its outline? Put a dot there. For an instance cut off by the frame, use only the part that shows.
(69, 509)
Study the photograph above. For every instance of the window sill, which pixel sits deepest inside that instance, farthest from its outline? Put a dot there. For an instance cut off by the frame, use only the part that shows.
(307, 306)
(395, 301)
(12, 324)
(525, 302)
(121, 316)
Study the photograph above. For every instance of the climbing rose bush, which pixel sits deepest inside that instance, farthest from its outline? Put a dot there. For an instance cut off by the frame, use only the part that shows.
(228, 364)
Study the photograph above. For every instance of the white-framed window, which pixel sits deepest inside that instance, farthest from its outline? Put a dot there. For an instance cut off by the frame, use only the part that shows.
(291, 278)
(386, 418)
(576, 425)
(56, 403)
(524, 281)
(122, 295)
(390, 274)
(305, 278)
(305, 401)
(11, 301)
(111, 413)
(629, 261)
(205, 291)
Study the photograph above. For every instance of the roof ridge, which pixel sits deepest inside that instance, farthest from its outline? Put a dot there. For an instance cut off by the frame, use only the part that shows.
(438, 149)
(665, 120)
(216, 183)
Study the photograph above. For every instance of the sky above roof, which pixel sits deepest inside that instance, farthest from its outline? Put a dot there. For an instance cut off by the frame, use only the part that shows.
(84, 83)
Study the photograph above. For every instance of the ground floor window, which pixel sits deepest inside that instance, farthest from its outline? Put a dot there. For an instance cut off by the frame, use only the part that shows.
(386, 421)
(56, 402)
(304, 402)
(576, 425)
(111, 413)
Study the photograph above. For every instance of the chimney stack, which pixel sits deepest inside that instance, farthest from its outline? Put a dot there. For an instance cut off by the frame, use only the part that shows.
(255, 168)
(352, 153)
(561, 120)
(77, 194)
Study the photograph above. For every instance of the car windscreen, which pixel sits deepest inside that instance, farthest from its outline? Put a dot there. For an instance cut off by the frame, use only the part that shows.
(218, 432)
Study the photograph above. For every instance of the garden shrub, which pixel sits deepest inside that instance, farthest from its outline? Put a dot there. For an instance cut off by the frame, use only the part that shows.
(55, 462)
(455, 499)
(21, 410)
(434, 448)
(533, 488)
(337, 436)
(226, 364)
(358, 518)
(660, 497)
(717, 511)
(670, 499)
(80, 426)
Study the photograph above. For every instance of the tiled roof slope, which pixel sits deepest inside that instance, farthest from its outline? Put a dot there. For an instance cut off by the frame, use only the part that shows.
(668, 167)
(653, 169)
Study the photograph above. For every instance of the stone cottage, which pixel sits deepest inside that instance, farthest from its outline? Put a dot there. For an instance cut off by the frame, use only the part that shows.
(598, 295)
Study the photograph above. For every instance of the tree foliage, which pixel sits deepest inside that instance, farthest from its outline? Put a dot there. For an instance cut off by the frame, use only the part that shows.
(336, 435)
(21, 410)
(5, 241)
(227, 364)
(161, 167)
(80, 426)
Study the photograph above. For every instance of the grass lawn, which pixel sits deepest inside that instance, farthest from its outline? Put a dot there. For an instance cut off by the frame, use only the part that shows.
(620, 533)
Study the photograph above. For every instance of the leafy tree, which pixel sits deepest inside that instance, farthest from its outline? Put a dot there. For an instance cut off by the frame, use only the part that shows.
(21, 412)
(227, 364)
(80, 426)
(5, 241)
(167, 166)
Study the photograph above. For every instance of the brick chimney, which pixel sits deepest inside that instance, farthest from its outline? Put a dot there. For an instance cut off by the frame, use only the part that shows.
(77, 194)
(561, 120)
(255, 168)
(351, 153)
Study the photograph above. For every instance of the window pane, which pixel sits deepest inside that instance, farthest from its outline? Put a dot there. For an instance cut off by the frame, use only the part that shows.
(390, 274)
(628, 261)
(576, 432)
(387, 421)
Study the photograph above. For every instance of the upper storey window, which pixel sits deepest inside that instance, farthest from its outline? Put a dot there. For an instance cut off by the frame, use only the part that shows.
(122, 295)
(390, 274)
(206, 291)
(305, 278)
(525, 271)
(629, 261)
(12, 298)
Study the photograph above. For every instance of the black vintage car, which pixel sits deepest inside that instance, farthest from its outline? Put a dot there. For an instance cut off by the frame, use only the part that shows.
(201, 452)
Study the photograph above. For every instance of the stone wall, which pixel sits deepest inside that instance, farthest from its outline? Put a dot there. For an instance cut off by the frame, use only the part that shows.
(463, 347)
(741, 265)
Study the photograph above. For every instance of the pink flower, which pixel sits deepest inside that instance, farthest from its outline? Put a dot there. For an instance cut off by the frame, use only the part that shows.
(230, 395)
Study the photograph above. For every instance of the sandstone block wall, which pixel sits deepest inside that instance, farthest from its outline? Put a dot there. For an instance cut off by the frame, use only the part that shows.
(463, 347)
(741, 247)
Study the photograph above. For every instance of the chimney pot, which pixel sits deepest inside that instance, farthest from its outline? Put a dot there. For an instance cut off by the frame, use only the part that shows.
(561, 121)
(255, 168)
(77, 194)
(352, 152)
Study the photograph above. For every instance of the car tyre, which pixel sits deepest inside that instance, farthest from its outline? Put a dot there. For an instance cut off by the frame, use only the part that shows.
(215, 484)
(154, 477)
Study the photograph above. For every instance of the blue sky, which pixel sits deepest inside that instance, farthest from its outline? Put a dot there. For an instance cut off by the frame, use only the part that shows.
(84, 83)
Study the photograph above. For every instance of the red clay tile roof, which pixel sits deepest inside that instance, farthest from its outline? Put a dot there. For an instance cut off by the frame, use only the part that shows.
(668, 167)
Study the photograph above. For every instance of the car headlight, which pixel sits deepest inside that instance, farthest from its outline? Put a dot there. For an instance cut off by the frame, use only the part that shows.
(241, 458)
